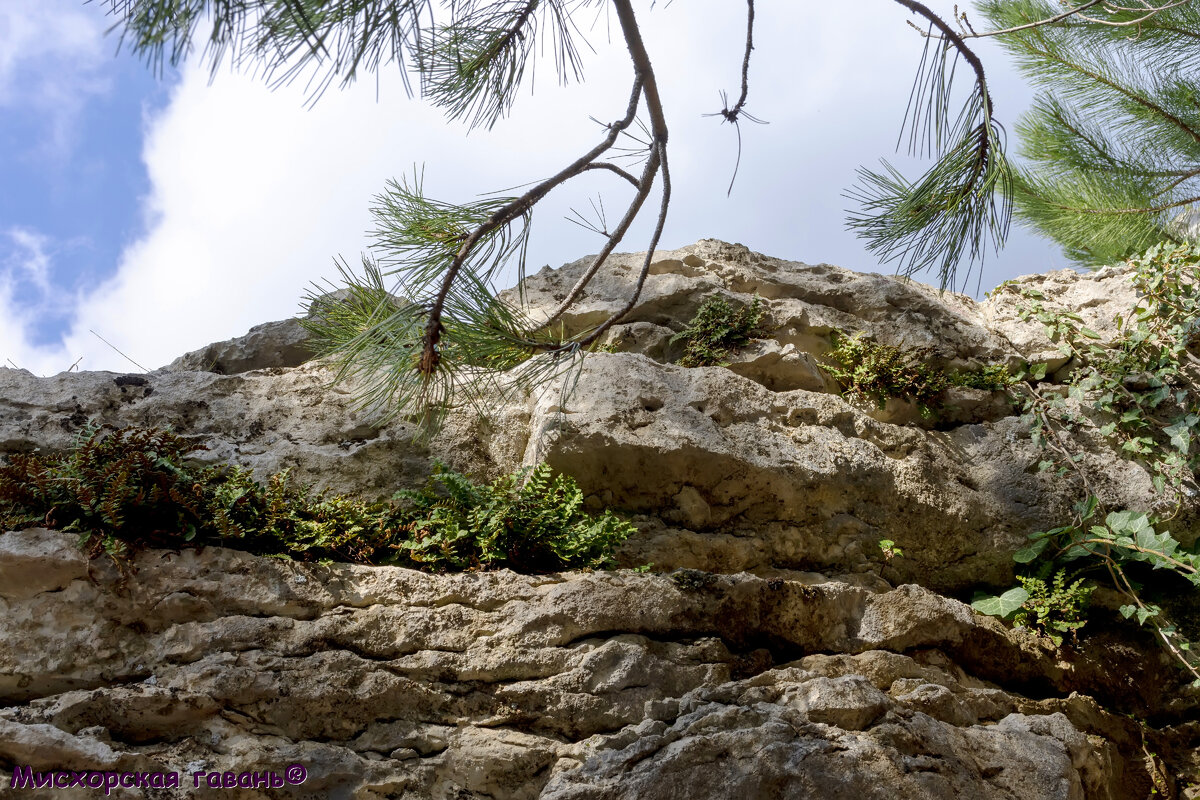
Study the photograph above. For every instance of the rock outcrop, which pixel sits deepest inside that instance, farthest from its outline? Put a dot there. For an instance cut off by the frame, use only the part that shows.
(272, 344)
(389, 682)
(782, 656)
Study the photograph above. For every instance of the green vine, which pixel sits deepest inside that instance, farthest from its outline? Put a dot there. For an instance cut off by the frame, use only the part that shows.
(1141, 391)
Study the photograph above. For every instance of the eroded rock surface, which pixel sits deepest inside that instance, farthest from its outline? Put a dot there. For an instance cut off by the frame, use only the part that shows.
(271, 344)
(783, 658)
(755, 466)
(390, 682)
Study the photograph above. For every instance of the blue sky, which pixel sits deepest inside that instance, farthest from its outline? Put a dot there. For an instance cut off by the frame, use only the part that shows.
(166, 213)
(70, 160)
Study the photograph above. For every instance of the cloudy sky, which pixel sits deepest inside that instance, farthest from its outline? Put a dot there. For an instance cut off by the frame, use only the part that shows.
(151, 215)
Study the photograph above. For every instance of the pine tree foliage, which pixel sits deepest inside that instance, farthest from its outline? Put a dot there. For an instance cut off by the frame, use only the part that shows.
(420, 326)
(963, 203)
(1113, 141)
(375, 338)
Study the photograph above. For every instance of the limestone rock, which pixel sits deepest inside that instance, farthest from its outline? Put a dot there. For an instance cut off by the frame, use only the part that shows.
(272, 344)
(751, 467)
(387, 681)
(776, 653)
(32, 562)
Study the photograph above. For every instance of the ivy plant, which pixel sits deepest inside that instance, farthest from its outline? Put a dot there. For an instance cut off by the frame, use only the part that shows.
(1140, 391)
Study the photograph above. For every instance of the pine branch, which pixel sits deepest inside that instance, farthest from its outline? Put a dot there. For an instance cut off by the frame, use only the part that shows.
(963, 200)
(333, 39)
(1120, 150)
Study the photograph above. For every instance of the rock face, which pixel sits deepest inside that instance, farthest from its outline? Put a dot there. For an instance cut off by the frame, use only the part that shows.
(784, 657)
(390, 682)
(272, 344)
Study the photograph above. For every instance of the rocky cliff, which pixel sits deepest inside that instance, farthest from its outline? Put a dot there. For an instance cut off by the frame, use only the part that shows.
(769, 652)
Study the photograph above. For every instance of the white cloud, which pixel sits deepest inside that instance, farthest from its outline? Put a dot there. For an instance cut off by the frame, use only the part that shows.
(52, 58)
(29, 256)
(252, 195)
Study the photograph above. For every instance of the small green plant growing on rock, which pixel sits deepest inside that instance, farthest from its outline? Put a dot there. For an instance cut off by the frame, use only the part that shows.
(716, 331)
(889, 550)
(134, 488)
(879, 372)
(1055, 608)
(112, 489)
(530, 520)
(1049, 609)
(693, 580)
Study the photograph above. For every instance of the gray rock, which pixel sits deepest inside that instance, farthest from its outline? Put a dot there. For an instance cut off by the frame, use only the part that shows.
(495, 684)
(791, 660)
(32, 562)
(270, 345)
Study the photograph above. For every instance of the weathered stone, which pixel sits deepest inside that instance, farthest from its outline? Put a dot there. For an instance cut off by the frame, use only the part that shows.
(524, 686)
(32, 562)
(747, 671)
(272, 344)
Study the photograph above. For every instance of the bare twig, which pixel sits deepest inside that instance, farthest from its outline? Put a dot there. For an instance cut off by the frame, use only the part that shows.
(1077, 11)
(961, 46)
(110, 344)
(657, 158)
(649, 257)
(616, 169)
(734, 115)
(433, 329)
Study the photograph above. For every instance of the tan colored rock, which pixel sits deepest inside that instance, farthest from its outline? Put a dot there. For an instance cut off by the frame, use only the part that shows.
(32, 562)
(386, 680)
(747, 671)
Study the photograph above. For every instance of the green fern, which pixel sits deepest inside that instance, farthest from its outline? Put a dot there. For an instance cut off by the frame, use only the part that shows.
(716, 331)
(133, 488)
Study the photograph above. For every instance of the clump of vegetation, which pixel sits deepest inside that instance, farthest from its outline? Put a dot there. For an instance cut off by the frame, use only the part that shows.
(129, 484)
(889, 550)
(1054, 608)
(878, 372)
(134, 488)
(693, 580)
(1142, 392)
(1049, 609)
(716, 331)
(530, 521)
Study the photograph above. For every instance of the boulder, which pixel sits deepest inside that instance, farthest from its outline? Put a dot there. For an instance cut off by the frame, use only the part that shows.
(272, 344)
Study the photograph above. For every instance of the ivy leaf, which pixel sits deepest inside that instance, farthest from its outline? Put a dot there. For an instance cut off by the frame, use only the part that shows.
(1030, 552)
(1088, 332)
(1038, 371)
(1181, 436)
(1118, 520)
(1144, 614)
(1002, 605)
